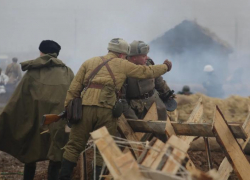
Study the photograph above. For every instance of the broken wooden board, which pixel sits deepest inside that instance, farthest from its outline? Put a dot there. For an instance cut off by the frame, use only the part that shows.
(108, 149)
(225, 168)
(126, 131)
(182, 129)
(151, 115)
(230, 146)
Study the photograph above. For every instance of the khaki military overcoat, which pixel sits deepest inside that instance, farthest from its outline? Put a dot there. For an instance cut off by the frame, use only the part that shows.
(42, 90)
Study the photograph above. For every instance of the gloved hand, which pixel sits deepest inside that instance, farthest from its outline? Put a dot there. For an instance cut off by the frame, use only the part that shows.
(168, 63)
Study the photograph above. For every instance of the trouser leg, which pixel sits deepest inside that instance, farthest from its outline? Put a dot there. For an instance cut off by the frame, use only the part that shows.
(78, 138)
(105, 118)
(66, 169)
(53, 170)
(29, 171)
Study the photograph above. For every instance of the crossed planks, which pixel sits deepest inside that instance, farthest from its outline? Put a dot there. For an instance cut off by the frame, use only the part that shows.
(231, 148)
(123, 165)
(159, 161)
(167, 158)
(195, 117)
(225, 167)
(126, 131)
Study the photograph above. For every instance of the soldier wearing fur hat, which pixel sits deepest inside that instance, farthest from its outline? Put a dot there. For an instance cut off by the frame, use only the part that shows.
(42, 90)
(99, 97)
(140, 94)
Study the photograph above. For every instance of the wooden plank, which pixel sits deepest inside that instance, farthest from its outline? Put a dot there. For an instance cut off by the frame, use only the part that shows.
(126, 131)
(230, 146)
(128, 167)
(169, 130)
(225, 168)
(195, 117)
(151, 115)
(152, 154)
(159, 158)
(182, 129)
(172, 164)
(108, 149)
(178, 143)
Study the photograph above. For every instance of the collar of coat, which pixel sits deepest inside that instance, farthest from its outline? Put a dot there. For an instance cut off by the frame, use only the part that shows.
(47, 60)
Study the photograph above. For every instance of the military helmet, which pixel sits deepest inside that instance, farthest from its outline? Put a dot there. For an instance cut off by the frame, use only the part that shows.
(208, 68)
(119, 45)
(185, 89)
(139, 48)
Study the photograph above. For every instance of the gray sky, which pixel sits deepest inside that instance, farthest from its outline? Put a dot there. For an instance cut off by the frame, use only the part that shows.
(83, 28)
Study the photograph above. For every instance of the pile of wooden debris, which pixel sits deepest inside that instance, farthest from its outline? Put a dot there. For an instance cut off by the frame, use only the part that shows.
(157, 160)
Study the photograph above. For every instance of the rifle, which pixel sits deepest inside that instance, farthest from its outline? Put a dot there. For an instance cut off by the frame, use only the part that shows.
(50, 118)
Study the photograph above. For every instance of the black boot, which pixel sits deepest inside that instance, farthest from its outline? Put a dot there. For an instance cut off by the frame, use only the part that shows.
(98, 171)
(66, 169)
(53, 170)
(29, 171)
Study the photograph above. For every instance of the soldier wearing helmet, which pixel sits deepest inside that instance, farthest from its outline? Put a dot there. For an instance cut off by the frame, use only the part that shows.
(211, 84)
(99, 97)
(140, 94)
(185, 90)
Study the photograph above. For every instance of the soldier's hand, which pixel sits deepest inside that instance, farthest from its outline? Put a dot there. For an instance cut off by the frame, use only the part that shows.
(168, 63)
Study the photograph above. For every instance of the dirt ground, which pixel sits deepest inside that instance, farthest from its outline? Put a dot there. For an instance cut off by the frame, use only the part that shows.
(11, 168)
(9, 165)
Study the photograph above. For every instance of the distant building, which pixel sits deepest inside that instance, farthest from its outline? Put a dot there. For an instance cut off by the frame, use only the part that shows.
(191, 47)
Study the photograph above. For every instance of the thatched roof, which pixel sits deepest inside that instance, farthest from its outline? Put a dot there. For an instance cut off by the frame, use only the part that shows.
(190, 36)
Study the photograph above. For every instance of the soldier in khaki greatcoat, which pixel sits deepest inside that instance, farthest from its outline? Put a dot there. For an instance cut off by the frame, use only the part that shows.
(100, 97)
(140, 94)
(42, 90)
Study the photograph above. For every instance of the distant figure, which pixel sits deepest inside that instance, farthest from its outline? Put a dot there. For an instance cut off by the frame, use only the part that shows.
(185, 90)
(211, 83)
(3, 81)
(13, 71)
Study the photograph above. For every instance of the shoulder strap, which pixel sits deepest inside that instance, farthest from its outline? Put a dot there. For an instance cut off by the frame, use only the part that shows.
(95, 71)
(112, 76)
(110, 71)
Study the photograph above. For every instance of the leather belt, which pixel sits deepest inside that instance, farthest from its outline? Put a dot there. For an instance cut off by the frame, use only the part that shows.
(145, 95)
(96, 86)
